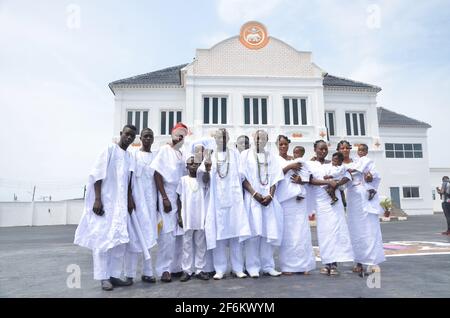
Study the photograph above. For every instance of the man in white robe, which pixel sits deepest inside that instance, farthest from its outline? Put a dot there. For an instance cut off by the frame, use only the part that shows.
(227, 223)
(103, 225)
(262, 172)
(144, 194)
(169, 168)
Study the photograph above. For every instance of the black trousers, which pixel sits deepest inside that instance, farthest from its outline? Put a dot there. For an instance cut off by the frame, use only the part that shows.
(446, 209)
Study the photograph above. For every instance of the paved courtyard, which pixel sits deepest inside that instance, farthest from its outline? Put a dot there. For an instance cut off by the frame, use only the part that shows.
(34, 263)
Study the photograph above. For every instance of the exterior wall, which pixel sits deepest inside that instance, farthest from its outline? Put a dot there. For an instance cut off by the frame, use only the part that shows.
(436, 175)
(40, 213)
(398, 172)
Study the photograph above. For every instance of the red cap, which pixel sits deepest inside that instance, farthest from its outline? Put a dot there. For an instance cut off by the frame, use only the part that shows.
(179, 125)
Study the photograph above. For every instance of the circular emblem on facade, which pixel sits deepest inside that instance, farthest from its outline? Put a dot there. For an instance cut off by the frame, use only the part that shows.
(254, 35)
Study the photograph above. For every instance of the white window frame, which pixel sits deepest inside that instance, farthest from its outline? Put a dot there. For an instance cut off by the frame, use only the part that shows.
(411, 198)
(219, 109)
(291, 110)
(168, 110)
(358, 121)
(260, 98)
(327, 124)
(133, 117)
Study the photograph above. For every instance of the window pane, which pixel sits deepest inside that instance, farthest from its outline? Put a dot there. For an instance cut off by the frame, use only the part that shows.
(389, 146)
(417, 146)
(399, 154)
(179, 117)
(224, 110)
(362, 124)
(206, 110)
(130, 118)
(389, 154)
(171, 121)
(408, 147)
(418, 154)
(304, 119)
(406, 192)
(331, 123)
(215, 111)
(163, 123)
(247, 111)
(398, 146)
(415, 192)
(145, 120)
(348, 124)
(287, 113)
(264, 110)
(355, 124)
(255, 111)
(409, 154)
(295, 111)
(137, 121)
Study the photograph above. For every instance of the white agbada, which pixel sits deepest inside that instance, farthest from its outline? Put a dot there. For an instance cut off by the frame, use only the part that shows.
(296, 250)
(144, 194)
(226, 217)
(104, 232)
(332, 230)
(169, 163)
(364, 224)
(264, 221)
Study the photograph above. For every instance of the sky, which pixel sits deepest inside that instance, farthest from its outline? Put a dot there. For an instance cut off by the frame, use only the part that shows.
(57, 58)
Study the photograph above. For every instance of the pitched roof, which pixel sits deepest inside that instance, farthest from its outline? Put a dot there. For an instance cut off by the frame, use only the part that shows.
(334, 81)
(388, 118)
(171, 76)
(167, 76)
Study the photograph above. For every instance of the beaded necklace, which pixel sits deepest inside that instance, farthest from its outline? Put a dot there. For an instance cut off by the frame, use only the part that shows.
(265, 166)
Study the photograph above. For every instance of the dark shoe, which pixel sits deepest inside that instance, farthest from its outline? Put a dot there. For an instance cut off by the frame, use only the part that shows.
(372, 193)
(148, 279)
(202, 276)
(106, 285)
(166, 278)
(299, 198)
(117, 282)
(130, 280)
(185, 277)
(177, 274)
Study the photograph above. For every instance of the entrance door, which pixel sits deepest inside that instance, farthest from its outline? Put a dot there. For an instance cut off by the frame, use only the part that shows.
(395, 197)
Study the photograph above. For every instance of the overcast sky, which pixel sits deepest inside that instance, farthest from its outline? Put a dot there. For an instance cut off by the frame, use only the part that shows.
(57, 57)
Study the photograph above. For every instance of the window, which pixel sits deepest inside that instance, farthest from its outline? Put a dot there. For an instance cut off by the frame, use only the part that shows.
(403, 151)
(214, 110)
(295, 111)
(138, 118)
(169, 118)
(330, 123)
(356, 124)
(411, 192)
(255, 111)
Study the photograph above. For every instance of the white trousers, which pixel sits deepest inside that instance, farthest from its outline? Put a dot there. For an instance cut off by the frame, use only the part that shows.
(258, 255)
(175, 266)
(194, 251)
(131, 262)
(221, 256)
(108, 264)
(209, 266)
(166, 253)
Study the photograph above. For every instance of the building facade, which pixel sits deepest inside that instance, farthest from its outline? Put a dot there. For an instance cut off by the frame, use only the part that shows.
(253, 81)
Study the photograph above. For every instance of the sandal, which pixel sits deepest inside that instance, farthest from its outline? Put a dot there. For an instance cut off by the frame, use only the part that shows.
(358, 268)
(325, 270)
(334, 271)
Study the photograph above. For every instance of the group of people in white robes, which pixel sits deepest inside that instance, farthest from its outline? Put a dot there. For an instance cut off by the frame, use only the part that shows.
(210, 207)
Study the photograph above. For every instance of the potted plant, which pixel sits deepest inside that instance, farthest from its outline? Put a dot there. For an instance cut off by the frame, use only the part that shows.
(386, 204)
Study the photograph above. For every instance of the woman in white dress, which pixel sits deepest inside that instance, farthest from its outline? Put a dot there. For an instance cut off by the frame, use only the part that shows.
(364, 225)
(296, 250)
(332, 230)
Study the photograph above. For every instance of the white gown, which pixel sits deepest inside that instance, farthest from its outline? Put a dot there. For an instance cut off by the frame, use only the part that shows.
(364, 225)
(104, 232)
(332, 230)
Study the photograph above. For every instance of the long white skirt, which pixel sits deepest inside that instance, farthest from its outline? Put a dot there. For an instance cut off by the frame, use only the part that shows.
(296, 250)
(364, 227)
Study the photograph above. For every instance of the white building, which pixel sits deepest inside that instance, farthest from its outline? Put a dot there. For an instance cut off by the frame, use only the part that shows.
(254, 81)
